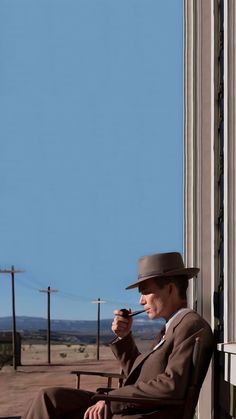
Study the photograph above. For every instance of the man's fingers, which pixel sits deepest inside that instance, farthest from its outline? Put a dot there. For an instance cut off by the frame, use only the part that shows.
(121, 312)
(86, 414)
(117, 312)
(120, 323)
(95, 411)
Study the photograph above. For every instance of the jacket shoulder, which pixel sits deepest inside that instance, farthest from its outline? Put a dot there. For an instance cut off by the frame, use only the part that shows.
(192, 321)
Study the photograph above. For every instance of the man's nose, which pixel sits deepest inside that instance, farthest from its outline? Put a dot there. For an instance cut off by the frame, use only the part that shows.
(142, 300)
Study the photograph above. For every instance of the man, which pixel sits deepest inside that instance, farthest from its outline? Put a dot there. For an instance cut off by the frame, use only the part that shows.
(162, 372)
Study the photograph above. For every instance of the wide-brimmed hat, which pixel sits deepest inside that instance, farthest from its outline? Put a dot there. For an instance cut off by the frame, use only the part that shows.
(162, 265)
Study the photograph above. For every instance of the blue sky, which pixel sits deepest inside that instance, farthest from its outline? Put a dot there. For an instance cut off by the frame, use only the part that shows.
(91, 148)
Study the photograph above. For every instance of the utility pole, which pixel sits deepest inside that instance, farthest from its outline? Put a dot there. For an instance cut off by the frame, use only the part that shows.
(48, 291)
(12, 272)
(98, 302)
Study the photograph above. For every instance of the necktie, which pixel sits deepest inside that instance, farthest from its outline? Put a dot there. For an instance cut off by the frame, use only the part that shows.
(159, 337)
(161, 334)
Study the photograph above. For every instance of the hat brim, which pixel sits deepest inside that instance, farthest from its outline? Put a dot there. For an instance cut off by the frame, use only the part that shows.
(187, 272)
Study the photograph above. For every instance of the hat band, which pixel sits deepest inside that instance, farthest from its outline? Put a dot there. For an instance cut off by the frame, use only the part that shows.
(151, 274)
(157, 273)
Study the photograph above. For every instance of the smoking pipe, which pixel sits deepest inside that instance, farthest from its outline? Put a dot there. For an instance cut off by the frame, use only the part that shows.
(126, 313)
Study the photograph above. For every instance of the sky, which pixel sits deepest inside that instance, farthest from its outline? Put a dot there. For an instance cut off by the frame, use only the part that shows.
(91, 149)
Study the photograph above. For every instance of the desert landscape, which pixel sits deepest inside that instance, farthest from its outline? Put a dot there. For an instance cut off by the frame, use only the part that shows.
(17, 388)
(73, 346)
(34, 354)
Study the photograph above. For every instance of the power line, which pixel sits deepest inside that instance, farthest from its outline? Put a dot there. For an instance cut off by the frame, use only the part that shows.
(75, 297)
(24, 283)
(33, 285)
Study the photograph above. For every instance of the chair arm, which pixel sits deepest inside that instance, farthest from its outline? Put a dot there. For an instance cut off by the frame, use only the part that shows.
(144, 401)
(108, 375)
(103, 390)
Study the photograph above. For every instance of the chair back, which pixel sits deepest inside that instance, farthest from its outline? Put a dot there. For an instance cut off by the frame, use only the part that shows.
(200, 362)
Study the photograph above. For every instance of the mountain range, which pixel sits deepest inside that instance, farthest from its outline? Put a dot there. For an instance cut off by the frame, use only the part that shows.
(24, 323)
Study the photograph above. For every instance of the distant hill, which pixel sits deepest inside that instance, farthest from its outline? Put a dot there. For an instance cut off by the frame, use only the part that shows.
(141, 325)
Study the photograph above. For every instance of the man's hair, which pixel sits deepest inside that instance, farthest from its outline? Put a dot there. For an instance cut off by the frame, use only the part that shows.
(180, 281)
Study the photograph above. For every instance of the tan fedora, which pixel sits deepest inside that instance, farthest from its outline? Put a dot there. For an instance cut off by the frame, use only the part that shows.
(162, 265)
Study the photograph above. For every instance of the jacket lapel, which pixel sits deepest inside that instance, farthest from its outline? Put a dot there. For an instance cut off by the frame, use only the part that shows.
(137, 365)
(176, 321)
(141, 358)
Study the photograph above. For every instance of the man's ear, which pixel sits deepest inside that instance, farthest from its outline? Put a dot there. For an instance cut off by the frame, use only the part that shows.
(170, 287)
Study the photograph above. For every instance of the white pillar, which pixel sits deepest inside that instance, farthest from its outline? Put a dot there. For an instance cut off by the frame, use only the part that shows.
(200, 130)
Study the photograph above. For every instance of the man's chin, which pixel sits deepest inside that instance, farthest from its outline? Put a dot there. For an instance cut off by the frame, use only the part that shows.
(151, 315)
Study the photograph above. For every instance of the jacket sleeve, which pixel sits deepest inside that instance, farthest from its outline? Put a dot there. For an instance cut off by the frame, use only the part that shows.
(126, 351)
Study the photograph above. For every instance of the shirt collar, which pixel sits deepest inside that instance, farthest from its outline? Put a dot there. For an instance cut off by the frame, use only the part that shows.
(181, 310)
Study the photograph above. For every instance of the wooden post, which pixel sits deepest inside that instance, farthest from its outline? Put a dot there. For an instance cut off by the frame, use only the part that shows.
(48, 291)
(13, 318)
(98, 302)
(12, 272)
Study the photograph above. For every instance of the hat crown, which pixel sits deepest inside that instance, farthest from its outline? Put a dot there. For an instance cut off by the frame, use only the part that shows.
(160, 263)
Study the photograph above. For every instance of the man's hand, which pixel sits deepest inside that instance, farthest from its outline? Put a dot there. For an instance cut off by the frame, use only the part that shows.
(121, 326)
(96, 411)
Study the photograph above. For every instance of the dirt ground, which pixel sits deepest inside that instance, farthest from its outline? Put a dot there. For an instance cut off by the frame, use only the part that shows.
(17, 388)
(36, 354)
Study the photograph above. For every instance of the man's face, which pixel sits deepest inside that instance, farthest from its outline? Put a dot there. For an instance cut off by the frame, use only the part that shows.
(156, 301)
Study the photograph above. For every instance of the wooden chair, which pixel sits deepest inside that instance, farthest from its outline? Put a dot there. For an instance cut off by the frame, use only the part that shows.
(200, 361)
(109, 375)
(10, 417)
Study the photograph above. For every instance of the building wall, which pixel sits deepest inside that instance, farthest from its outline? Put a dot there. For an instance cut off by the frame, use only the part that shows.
(210, 194)
(199, 132)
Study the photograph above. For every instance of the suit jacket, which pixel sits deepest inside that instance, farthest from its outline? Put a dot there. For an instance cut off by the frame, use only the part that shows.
(165, 371)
